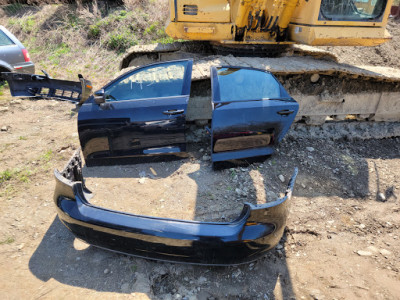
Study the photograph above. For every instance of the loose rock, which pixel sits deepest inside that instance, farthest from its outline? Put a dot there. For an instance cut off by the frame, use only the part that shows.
(381, 196)
(314, 78)
(316, 294)
(202, 280)
(281, 178)
(385, 252)
(373, 249)
(364, 253)
(311, 149)
(271, 196)
(125, 287)
(206, 158)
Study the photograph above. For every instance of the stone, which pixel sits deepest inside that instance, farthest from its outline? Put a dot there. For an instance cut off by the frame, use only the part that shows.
(236, 273)
(364, 253)
(316, 294)
(106, 271)
(271, 196)
(385, 252)
(314, 78)
(279, 246)
(311, 149)
(202, 280)
(4, 128)
(281, 178)
(206, 157)
(125, 287)
(381, 196)
(142, 180)
(3, 109)
(373, 249)
(361, 226)
(166, 297)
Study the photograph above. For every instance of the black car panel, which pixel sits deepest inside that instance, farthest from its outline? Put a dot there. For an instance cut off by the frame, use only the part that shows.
(43, 86)
(251, 113)
(257, 229)
(144, 113)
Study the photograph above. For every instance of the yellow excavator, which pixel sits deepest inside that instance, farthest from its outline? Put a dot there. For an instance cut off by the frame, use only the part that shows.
(310, 22)
(279, 36)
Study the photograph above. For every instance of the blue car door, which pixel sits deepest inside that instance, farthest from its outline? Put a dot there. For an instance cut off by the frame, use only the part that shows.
(143, 113)
(251, 113)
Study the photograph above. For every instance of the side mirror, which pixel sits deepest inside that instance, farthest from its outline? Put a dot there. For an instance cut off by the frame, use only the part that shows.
(99, 97)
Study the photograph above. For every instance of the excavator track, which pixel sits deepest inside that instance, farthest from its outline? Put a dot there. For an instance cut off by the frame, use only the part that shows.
(326, 90)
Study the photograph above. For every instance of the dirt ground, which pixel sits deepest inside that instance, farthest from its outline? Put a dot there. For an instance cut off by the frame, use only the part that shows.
(341, 242)
(382, 55)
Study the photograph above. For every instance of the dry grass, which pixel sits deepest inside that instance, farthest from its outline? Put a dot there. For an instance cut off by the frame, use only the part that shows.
(88, 37)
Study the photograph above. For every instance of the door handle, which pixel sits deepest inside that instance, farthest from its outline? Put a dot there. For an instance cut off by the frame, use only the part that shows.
(285, 112)
(171, 112)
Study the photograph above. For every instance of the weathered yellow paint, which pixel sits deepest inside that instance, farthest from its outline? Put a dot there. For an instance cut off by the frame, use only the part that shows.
(287, 13)
(219, 20)
(337, 36)
(199, 31)
(208, 11)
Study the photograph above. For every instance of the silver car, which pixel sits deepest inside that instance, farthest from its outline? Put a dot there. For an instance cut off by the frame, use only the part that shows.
(13, 55)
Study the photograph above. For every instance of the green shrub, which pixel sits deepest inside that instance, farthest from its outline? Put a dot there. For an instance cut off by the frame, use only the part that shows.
(28, 24)
(60, 50)
(94, 31)
(151, 29)
(121, 40)
(18, 174)
(165, 40)
(8, 240)
(5, 176)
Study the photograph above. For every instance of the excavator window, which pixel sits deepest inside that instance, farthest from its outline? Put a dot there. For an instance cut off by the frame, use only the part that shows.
(352, 10)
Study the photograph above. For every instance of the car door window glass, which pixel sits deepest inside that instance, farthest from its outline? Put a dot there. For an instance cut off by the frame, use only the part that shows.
(161, 80)
(236, 84)
(5, 40)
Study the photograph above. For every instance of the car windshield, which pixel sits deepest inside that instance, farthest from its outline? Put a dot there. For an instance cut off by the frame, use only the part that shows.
(237, 84)
(161, 80)
(339, 10)
(5, 40)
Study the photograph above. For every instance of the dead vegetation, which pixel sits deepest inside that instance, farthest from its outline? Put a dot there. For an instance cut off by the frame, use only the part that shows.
(85, 37)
